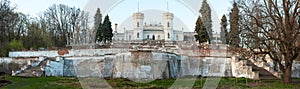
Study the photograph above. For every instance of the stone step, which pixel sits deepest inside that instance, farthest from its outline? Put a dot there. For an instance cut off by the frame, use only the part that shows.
(268, 77)
(255, 68)
(263, 73)
(25, 75)
(28, 72)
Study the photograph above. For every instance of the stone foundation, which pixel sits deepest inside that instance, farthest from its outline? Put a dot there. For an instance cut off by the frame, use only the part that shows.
(123, 63)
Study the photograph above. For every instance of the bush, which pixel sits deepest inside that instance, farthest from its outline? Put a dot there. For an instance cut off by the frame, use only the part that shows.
(3, 52)
(16, 45)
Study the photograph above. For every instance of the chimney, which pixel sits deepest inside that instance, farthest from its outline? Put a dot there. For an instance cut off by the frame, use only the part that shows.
(116, 28)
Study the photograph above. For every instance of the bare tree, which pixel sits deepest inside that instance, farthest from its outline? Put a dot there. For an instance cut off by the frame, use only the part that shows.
(37, 36)
(271, 27)
(20, 26)
(12, 25)
(7, 16)
(82, 33)
(62, 21)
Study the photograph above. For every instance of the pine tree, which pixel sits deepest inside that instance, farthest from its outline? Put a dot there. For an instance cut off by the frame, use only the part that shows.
(97, 26)
(206, 16)
(107, 30)
(224, 32)
(202, 33)
(234, 39)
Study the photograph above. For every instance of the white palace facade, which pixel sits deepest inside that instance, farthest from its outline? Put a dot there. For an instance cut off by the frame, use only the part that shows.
(161, 31)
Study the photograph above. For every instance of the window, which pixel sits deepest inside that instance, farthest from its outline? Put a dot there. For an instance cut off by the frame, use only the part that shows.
(168, 24)
(138, 24)
(168, 35)
(158, 37)
(138, 35)
(129, 37)
(177, 37)
(148, 37)
(153, 37)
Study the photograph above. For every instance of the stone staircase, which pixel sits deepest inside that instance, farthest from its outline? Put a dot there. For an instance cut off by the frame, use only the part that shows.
(35, 69)
(262, 72)
(253, 69)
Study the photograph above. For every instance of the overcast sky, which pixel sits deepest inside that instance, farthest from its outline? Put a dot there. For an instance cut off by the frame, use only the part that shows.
(120, 11)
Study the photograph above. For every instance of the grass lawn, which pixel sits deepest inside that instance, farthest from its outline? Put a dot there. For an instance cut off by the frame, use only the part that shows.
(42, 83)
(73, 83)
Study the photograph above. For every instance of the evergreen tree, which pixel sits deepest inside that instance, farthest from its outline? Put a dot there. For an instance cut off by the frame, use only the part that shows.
(206, 17)
(224, 32)
(100, 34)
(234, 33)
(107, 30)
(202, 33)
(97, 26)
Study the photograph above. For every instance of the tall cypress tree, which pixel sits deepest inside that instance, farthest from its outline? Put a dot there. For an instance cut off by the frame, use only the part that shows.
(206, 17)
(107, 30)
(97, 26)
(234, 33)
(224, 32)
(202, 33)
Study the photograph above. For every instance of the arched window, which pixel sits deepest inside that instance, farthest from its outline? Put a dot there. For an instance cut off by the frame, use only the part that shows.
(153, 37)
(138, 35)
(148, 37)
(138, 24)
(168, 24)
(168, 35)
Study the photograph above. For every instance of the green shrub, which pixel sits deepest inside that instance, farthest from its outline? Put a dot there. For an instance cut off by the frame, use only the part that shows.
(3, 52)
(16, 45)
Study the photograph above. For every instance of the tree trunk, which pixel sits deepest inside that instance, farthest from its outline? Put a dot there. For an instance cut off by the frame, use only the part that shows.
(287, 73)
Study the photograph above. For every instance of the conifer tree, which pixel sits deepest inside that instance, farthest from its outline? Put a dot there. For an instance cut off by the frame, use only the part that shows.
(107, 30)
(97, 25)
(206, 17)
(234, 34)
(224, 32)
(201, 32)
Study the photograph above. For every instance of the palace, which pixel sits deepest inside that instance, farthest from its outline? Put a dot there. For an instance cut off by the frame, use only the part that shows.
(160, 31)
